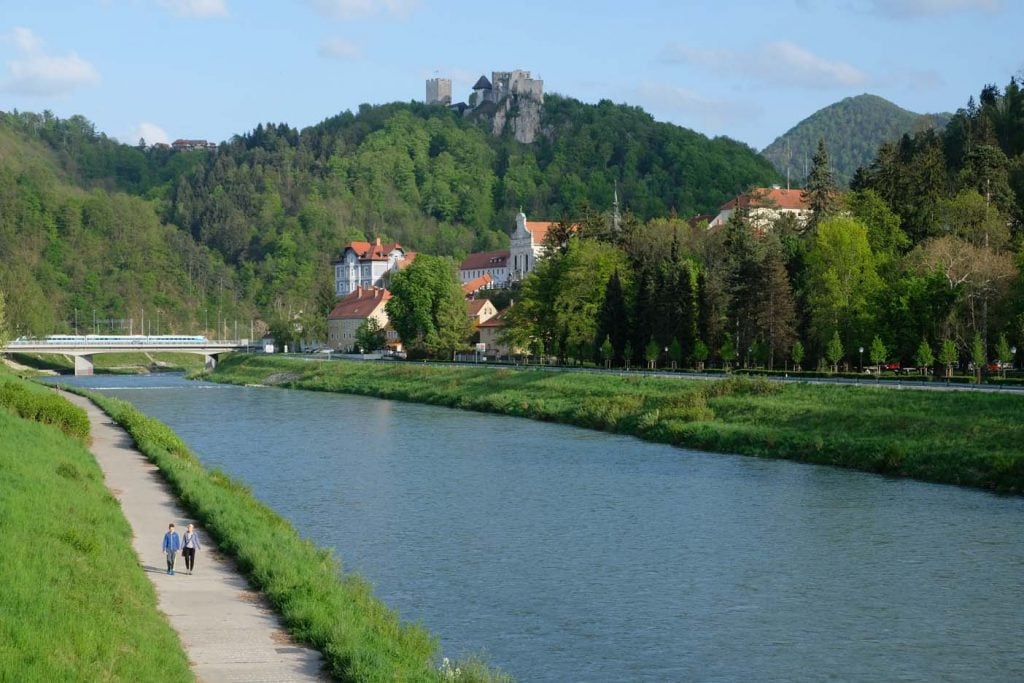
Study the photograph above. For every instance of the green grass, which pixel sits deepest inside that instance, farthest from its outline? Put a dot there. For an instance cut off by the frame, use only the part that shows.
(970, 439)
(360, 637)
(129, 362)
(74, 603)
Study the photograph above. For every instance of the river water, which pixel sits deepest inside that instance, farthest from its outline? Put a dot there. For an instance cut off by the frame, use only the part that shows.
(560, 554)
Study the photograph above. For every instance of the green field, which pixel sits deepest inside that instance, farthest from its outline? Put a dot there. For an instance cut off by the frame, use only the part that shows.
(965, 438)
(74, 603)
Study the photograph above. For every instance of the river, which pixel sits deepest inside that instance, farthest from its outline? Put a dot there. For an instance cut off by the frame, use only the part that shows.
(561, 554)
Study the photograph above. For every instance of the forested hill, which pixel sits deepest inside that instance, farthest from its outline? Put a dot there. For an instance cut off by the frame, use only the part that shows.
(853, 129)
(89, 224)
(439, 182)
(68, 252)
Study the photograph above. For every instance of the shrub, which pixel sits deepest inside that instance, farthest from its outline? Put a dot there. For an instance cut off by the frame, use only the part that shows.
(39, 405)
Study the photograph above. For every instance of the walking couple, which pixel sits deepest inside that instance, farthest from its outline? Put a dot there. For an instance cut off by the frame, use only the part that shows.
(188, 544)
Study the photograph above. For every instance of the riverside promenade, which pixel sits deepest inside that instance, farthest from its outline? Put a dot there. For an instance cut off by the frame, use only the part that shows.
(228, 631)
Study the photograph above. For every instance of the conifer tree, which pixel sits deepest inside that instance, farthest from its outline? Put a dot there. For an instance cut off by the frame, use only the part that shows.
(776, 312)
(613, 320)
(821, 192)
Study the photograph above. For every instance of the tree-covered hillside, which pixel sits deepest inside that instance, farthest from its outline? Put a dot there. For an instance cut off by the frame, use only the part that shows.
(90, 223)
(853, 129)
(68, 252)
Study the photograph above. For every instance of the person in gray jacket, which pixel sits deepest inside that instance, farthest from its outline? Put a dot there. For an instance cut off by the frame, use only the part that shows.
(189, 546)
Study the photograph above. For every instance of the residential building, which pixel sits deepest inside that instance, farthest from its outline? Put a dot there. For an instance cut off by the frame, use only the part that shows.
(490, 336)
(480, 310)
(367, 265)
(352, 311)
(491, 263)
(181, 145)
(763, 206)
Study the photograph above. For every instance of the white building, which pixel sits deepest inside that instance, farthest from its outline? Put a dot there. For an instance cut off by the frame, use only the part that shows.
(764, 205)
(512, 264)
(527, 246)
(367, 265)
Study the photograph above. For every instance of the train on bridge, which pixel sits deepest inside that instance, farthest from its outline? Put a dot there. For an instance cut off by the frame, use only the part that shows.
(114, 340)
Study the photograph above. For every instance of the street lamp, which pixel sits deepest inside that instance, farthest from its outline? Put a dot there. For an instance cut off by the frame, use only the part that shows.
(1013, 357)
(860, 350)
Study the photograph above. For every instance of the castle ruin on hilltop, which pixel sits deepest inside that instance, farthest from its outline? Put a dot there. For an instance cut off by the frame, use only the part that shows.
(513, 98)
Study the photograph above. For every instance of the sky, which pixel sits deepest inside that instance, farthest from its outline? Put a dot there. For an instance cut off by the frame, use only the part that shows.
(210, 69)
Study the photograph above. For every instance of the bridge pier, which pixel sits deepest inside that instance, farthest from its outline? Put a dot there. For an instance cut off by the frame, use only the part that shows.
(83, 365)
(210, 362)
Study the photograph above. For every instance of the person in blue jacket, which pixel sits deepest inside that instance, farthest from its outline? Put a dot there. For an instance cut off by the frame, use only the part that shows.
(172, 544)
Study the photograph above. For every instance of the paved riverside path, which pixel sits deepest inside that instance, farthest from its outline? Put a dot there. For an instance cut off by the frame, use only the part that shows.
(228, 631)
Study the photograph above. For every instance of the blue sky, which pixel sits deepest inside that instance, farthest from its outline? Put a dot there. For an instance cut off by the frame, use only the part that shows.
(165, 69)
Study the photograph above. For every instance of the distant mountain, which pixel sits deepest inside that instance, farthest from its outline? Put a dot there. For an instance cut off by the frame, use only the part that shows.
(853, 129)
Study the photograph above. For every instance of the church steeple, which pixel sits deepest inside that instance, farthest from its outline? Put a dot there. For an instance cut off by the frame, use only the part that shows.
(616, 216)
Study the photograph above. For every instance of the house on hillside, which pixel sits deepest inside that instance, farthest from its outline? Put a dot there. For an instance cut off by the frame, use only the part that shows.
(352, 311)
(493, 264)
(480, 310)
(367, 265)
(764, 205)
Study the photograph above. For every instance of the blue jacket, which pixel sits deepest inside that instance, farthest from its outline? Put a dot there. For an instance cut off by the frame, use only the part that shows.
(171, 542)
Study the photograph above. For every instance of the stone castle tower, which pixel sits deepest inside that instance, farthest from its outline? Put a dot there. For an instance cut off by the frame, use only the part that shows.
(439, 91)
(512, 98)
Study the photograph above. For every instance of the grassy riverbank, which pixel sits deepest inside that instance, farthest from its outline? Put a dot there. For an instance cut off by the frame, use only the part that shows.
(970, 439)
(127, 363)
(74, 604)
(360, 637)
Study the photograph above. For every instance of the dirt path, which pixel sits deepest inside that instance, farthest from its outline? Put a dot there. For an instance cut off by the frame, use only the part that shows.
(226, 627)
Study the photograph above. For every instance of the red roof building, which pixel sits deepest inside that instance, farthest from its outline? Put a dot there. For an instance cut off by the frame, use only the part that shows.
(763, 206)
(367, 264)
(351, 311)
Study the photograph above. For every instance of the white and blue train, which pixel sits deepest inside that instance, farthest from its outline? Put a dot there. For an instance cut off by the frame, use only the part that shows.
(115, 340)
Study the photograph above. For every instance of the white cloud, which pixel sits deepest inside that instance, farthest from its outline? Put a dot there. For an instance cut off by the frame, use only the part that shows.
(905, 9)
(196, 9)
(150, 132)
(36, 73)
(778, 63)
(712, 114)
(353, 9)
(339, 48)
(24, 39)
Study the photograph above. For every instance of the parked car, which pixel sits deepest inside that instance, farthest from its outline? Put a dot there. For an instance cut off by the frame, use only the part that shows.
(892, 367)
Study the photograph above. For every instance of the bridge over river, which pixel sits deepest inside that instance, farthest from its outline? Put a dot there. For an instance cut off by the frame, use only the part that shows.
(82, 349)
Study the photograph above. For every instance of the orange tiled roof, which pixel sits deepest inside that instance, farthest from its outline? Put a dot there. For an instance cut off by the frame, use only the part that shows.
(372, 252)
(359, 304)
(769, 197)
(539, 229)
(476, 284)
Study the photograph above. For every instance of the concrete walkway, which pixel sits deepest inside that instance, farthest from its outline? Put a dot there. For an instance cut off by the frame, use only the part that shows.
(226, 627)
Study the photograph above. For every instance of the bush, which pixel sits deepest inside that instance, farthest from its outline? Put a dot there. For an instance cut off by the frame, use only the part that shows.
(39, 405)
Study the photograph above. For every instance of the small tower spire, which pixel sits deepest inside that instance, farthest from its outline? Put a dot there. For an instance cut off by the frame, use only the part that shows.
(616, 216)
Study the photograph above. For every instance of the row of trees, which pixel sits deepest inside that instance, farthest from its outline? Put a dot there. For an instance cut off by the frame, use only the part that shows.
(894, 265)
